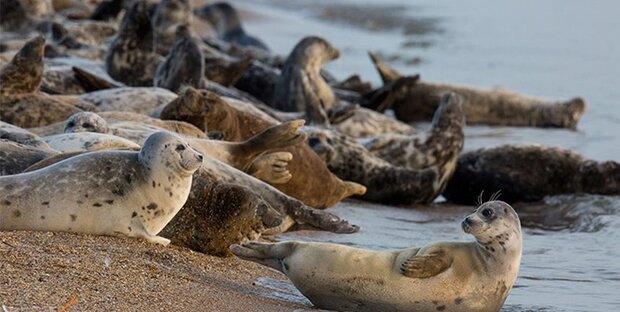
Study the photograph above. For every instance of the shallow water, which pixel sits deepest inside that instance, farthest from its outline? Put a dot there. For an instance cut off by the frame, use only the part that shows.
(555, 49)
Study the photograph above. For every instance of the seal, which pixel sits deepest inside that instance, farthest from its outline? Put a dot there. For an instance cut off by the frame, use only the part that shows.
(397, 169)
(252, 156)
(168, 15)
(222, 68)
(491, 107)
(184, 65)
(311, 181)
(443, 276)
(116, 199)
(224, 18)
(20, 104)
(300, 87)
(440, 146)
(87, 141)
(516, 171)
(14, 16)
(220, 215)
(16, 157)
(141, 100)
(129, 58)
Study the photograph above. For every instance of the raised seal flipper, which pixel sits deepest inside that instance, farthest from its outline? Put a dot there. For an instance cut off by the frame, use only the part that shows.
(426, 265)
(387, 73)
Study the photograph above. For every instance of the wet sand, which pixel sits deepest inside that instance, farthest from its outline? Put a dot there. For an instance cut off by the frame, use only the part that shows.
(56, 271)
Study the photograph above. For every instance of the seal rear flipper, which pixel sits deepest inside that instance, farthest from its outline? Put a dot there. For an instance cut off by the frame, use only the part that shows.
(387, 73)
(384, 97)
(426, 265)
(267, 254)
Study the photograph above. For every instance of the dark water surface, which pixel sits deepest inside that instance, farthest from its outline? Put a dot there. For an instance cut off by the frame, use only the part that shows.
(555, 49)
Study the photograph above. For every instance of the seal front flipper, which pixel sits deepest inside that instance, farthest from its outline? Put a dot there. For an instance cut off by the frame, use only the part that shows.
(272, 168)
(426, 265)
(322, 220)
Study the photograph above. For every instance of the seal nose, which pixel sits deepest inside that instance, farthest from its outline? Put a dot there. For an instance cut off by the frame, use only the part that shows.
(467, 221)
(199, 156)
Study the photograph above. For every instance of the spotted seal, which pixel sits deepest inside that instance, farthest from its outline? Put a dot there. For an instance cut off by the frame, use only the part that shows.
(491, 107)
(224, 18)
(184, 65)
(443, 276)
(311, 182)
(129, 58)
(87, 141)
(116, 199)
(527, 173)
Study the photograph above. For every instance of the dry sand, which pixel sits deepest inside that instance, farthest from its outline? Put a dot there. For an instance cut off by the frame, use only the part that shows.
(43, 271)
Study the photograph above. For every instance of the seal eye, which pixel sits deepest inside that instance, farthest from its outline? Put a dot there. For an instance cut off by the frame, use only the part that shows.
(487, 213)
(71, 124)
(87, 125)
(180, 148)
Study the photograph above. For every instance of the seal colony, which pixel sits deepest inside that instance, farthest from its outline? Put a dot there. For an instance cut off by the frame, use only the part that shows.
(139, 127)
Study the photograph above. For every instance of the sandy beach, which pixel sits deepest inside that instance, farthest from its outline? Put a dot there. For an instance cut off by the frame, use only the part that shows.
(43, 271)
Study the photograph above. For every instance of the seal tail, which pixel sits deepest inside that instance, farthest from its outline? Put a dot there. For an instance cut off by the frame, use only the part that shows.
(267, 254)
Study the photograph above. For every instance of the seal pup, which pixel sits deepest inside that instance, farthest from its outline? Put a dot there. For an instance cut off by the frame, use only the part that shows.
(20, 102)
(220, 215)
(129, 58)
(527, 173)
(116, 199)
(300, 87)
(311, 181)
(490, 107)
(168, 15)
(444, 276)
(224, 18)
(184, 66)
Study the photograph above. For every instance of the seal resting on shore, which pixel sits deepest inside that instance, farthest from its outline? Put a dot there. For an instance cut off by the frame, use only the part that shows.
(124, 196)
(526, 173)
(491, 107)
(87, 141)
(398, 169)
(20, 102)
(444, 276)
(311, 182)
(16, 157)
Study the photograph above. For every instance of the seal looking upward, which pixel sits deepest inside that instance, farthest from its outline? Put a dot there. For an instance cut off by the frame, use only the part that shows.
(132, 193)
(130, 59)
(445, 276)
(300, 87)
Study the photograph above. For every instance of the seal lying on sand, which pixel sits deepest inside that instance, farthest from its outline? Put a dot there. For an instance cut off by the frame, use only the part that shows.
(20, 102)
(130, 58)
(224, 18)
(529, 173)
(492, 107)
(87, 141)
(444, 276)
(124, 196)
(311, 182)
